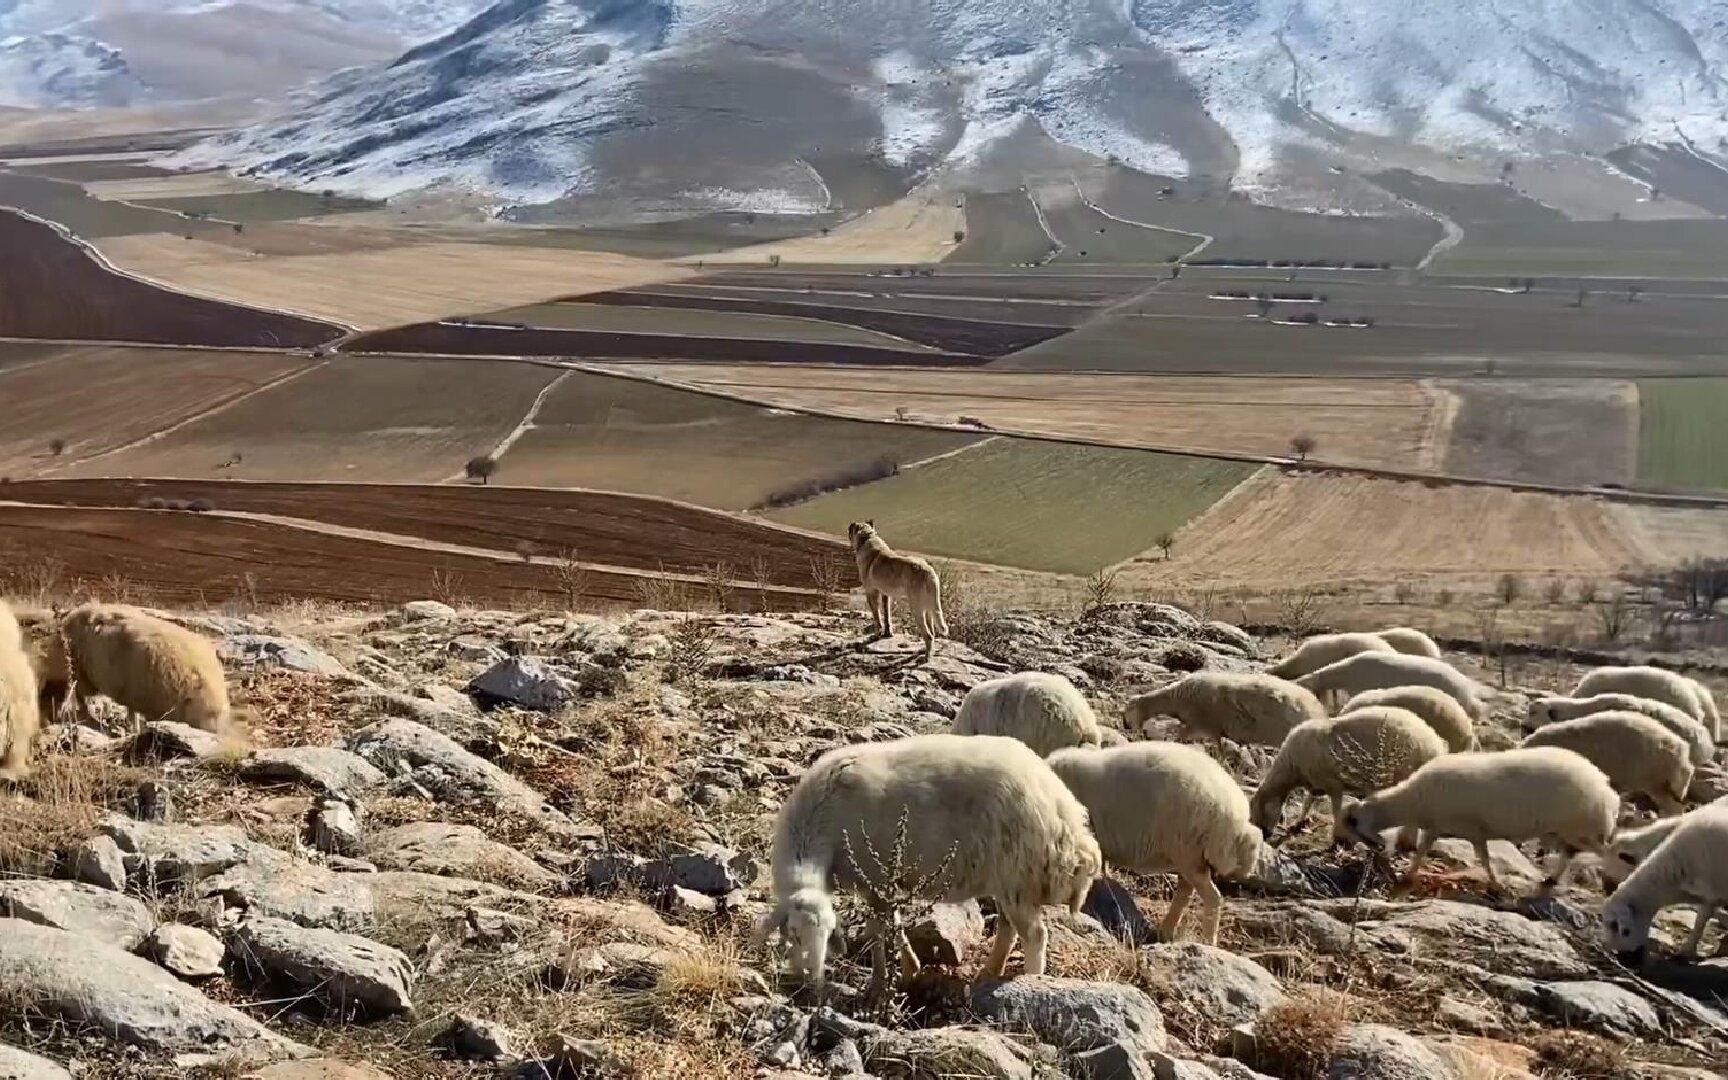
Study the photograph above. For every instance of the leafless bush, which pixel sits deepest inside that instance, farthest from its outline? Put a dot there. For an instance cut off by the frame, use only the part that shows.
(832, 577)
(1589, 591)
(1665, 621)
(1700, 584)
(973, 620)
(1100, 588)
(1299, 609)
(1444, 596)
(1612, 615)
(1577, 1055)
(879, 469)
(571, 576)
(32, 576)
(693, 642)
(659, 593)
(895, 892)
(1404, 592)
(446, 585)
(1509, 588)
(1296, 1038)
(719, 580)
(1556, 591)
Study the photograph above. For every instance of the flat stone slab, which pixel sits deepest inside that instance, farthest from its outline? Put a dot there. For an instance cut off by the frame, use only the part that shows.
(441, 766)
(86, 910)
(265, 651)
(16, 1064)
(349, 973)
(328, 768)
(1073, 1014)
(436, 847)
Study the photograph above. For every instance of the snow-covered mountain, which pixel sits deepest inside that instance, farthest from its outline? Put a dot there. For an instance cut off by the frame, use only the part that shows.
(694, 102)
(124, 52)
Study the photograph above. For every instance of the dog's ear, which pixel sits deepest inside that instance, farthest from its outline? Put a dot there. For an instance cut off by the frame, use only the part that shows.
(870, 522)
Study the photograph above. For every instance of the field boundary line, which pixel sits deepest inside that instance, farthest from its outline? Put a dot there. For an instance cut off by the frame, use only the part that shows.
(1206, 239)
(1056, 246)
(1443, 409)
(95, 255)
(827, 193)
(523, 427)
(205, 414)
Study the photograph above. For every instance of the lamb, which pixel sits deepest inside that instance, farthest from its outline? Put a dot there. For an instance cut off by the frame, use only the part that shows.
(1522, 794)
(1357, 753)
(1438, 709)
(1690, 866)
(1637, 754)
(19, 714)
(1546, 710)
(1322, 649)
(1382, 671)
(885, 574)
(1656, 684)
(1042, 710)
(982, 815)
(151, 667)
(1410, 641)
(1633, 846)
(1255, 708)
(1160, 807)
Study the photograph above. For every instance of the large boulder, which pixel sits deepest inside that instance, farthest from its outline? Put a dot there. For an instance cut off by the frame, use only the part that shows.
(947, 934)
(1220, 985)
(276, 885)
(89, 911)
(1073, 1014)
(943, 1053)
(328, 768)
(88, 982)
(16, 1064)
(525, 681)
(98, 861)
(1375, 1051)
(1599, 1006)
(167, 855)
(346, 972)
(435, 847)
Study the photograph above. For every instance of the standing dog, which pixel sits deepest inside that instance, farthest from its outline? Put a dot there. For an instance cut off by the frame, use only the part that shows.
(886, 575)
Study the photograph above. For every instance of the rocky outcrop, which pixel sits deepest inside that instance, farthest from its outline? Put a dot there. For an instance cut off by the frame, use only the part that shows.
(1073, 1014)
(326, 768)
(90, 912)
(351, 975)
(434, 847)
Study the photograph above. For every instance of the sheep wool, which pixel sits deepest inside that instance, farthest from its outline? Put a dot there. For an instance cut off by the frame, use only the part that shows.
(1358, 753)
(1410, 641)
(1160, 807)
(149, 666)
(1383, 671)
(1244, 708)
(19, 714)
(1547, 710)
(1633, 846)
(1322, 649)
(1042, 710)
(1438, 709)
(1657, 684)
(1528, 793)
(1637, 754)
(980, 815)
(1690, 866)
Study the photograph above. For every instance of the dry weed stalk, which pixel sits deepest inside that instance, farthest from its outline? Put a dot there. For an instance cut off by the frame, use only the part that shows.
(1100, 589)
(831, 576)
(895, 892)
(571, 577)
(1296, 1038)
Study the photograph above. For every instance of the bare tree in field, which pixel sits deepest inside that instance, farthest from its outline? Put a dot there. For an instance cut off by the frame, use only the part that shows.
(481, 468)
(1165, 541)
(1303, 445)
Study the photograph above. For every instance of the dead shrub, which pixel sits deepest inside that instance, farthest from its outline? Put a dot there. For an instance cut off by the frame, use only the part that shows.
(1184, 656)
(693, 643)
(973, 620)
(1296, 1038)
(1100, 589)
(1578, 1055)
(1509, 588)
(571, 577)
(832, 577)
(63, 799)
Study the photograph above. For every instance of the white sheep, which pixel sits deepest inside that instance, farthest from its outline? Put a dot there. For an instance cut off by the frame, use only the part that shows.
(1546, 710)
(1410, 641)
(1438, 709)
(1658, 684)
(1251, 708)
(980, 815)
(1528, 793)
(1160, 807)
(1637, 754)
(1316, 652)
(1633, 846)
(1357, 753)
(1383, 671)
(1690, 866)
(19, 715)
(1042, 710)
(151, 667)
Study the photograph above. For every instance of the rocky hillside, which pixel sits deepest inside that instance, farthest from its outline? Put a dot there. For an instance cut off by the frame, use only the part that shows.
(483, 843)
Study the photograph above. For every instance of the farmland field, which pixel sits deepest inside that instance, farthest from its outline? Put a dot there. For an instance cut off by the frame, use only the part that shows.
(1002, 227)
(181, 558)
(1290, 529)
(97, 398)
(916, 229)
(1088, 236)
(267, 205)
(86, 171)
(600, 527)
(351, 419)
(1378, 422)
(596, 431)
(1568, 432)
(66, 204)
(609, 318)
(51, 287)
(1043, 506)
(1683, 434)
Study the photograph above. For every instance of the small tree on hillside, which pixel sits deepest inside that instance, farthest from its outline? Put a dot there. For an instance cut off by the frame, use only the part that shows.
(959, 236)
(57, 447)
(1303, 445)
(1165, 541)
(481, 468)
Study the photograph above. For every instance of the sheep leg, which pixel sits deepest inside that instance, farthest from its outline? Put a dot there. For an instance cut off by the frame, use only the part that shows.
(1030, 925)
(1423, 847)
(1211, 907)
(1337, 800)
(1487, 863)
(1178, 904)
(1005, 938)
(1689, 951)
(1562, 863)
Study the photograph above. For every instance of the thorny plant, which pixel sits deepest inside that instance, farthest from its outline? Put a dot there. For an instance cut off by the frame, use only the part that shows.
(895, 891)
(1099, 590)
(692, 645)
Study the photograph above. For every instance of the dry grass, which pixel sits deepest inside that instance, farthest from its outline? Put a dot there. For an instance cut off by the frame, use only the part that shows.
(1577, 1055)
(1295, 1039)
(57, 807)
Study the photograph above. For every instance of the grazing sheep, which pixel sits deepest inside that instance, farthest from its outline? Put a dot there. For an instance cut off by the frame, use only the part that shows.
(1383, 671)
(1690, 866)
(1322, 649)
(1438, 709)
(1042, 710)
(1160, 807)
(1410, 641)
(1656, 684)
(1633, 846)
(1637, 754)
(1547, 710)
(983, 816)
(19, 714)
(1357, 753)
(1523, 794)
(885, 574)
(149, 666)
(1243, 708)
